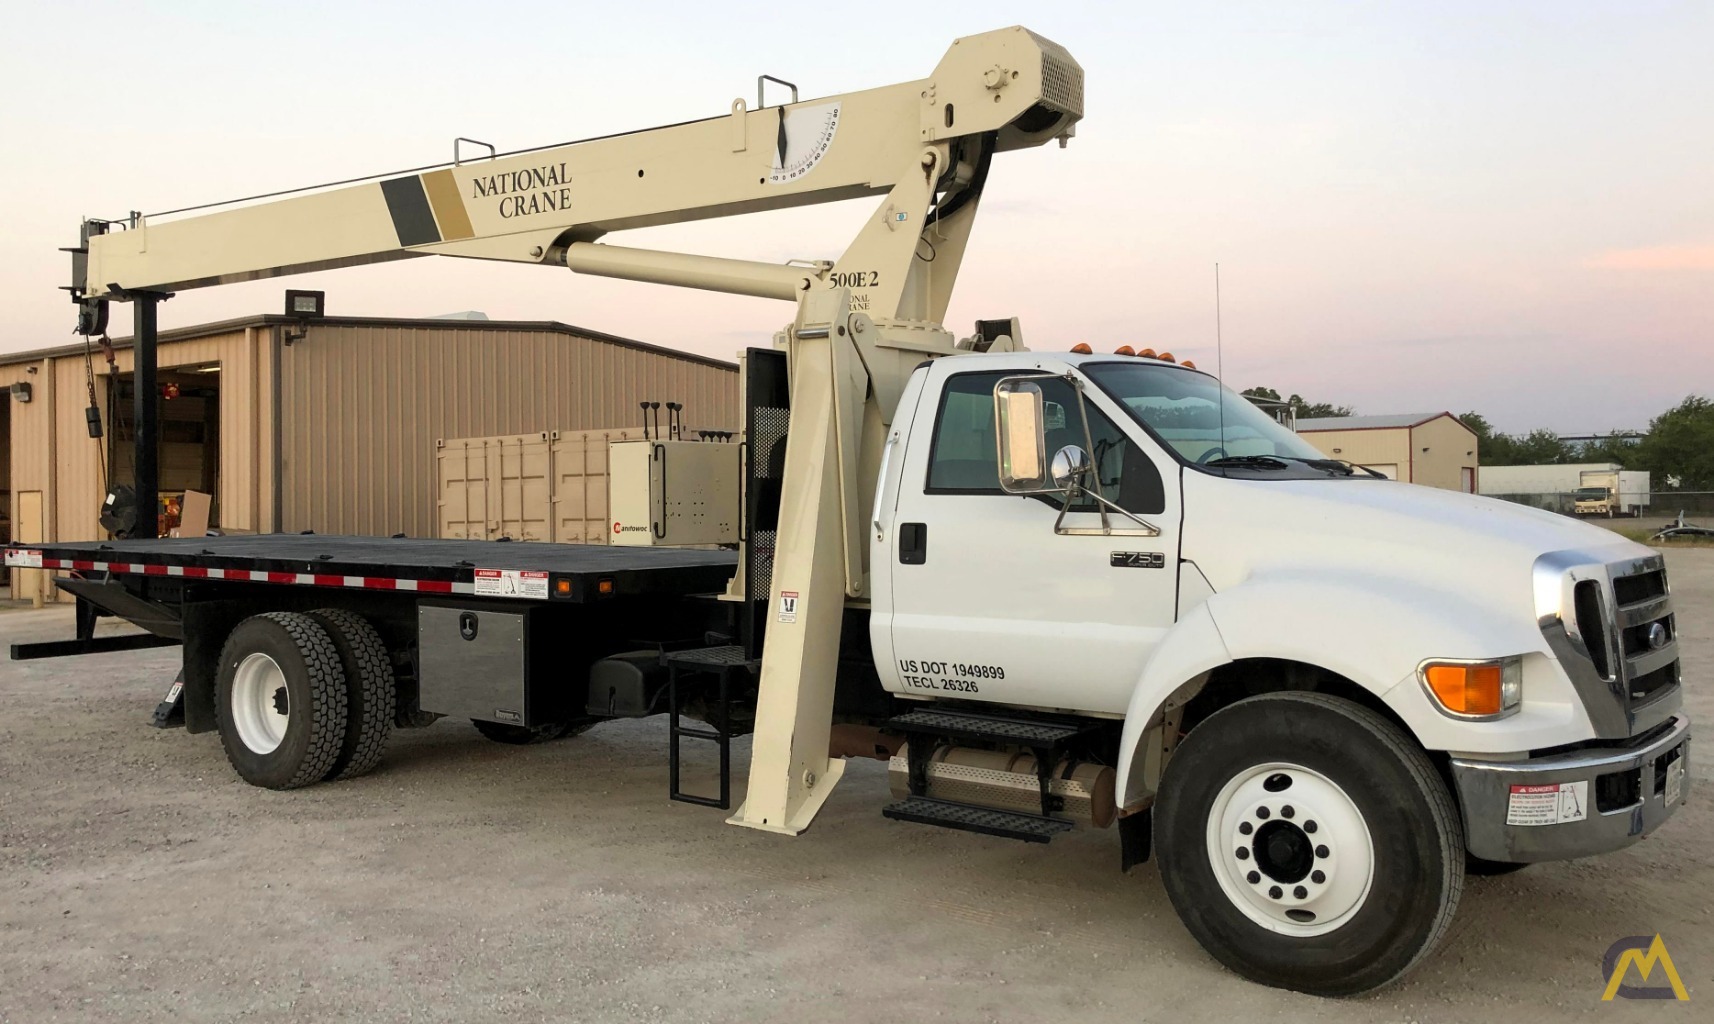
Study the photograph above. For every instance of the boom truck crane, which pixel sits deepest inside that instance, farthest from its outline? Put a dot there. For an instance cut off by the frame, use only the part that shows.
(1318, 699)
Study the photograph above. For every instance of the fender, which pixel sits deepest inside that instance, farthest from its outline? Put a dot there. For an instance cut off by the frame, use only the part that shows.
(1372, 630)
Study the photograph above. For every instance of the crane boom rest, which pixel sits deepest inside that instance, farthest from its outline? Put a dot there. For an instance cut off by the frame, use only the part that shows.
(862, 323)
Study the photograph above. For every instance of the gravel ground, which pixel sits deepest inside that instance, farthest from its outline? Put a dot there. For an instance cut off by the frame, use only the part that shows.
(464, 880)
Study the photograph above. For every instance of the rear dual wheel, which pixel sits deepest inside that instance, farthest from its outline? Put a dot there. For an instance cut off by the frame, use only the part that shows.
(1308, 844)
(301, 698)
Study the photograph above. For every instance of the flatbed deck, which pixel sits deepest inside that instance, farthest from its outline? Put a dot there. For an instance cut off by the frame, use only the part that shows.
(397, 563)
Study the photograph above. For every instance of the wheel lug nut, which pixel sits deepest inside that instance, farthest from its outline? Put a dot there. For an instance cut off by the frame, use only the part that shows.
(1262, 813)
(1300, 892)
(1274, 893)
(1253, 877)
(1242, 854)
(1310, 826)
(1322, 851)
(1245, 828)
(1318, 876)
(1288, 811)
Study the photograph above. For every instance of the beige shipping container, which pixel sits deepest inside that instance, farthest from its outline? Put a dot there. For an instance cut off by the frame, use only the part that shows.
(542, 487)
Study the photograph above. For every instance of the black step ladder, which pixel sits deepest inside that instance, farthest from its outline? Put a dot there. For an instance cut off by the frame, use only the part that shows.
(1044, 738)
(723, 663)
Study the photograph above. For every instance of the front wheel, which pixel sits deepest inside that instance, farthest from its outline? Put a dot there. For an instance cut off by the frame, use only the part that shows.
(1308, 844)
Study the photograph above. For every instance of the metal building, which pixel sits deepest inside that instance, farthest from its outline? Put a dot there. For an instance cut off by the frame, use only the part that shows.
(327, 425)
(1432, 448)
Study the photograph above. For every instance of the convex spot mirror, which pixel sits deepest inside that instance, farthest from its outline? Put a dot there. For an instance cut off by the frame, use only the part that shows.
(1069, 467)
(1021, 436)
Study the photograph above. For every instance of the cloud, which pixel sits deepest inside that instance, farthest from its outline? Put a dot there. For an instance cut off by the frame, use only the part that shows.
(1659, 257)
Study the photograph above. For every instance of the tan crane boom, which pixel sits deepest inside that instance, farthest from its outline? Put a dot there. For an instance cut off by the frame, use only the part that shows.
(863, 321)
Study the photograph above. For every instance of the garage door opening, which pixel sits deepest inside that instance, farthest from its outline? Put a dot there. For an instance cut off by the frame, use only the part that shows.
(187, 451)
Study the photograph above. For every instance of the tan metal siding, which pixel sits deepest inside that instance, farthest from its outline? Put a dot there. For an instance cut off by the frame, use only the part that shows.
(1387, 446)
(362, 406)
(1451, 449)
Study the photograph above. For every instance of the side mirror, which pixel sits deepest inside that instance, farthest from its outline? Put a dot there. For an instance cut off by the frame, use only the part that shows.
(1069, 468)
(1021, 436)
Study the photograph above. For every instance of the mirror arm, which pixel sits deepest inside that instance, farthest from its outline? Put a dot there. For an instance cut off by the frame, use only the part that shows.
(1094, 465)
(1076, 491)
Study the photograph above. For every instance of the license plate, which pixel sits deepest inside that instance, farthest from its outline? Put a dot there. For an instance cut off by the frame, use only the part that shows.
(1675, 780)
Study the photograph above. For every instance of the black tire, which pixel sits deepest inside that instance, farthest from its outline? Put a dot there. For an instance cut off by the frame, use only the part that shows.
(1474, 865)
(312, 689)
(1412, 827)
(371, 693)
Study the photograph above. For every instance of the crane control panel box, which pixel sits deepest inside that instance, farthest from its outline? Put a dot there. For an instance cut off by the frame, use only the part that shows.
(668, 493)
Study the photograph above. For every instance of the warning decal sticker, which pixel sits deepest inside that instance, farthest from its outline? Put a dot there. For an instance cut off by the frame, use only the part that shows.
(20, 559)
(512, 583)
(788, 606)
(1552, 804)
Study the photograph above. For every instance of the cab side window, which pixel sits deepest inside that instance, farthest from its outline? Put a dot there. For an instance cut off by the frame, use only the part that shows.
(962, 457)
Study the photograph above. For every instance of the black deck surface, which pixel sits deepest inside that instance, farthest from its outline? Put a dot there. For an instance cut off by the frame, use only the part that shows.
(639, 569)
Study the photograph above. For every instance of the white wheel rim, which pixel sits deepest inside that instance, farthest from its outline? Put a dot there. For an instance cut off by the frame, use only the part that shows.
(259, 704)
(1290, 849)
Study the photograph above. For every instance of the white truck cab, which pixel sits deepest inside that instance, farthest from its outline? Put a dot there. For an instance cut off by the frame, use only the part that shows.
(1337, 691)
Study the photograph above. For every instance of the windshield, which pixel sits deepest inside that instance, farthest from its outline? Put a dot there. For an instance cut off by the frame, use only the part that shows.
(1202, 420)
(1591, 492)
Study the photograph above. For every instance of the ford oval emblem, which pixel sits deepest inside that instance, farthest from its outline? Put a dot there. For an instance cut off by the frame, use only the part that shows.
(1657, 636)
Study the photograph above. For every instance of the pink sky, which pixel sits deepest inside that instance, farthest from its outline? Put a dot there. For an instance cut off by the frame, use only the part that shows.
(1464, 205)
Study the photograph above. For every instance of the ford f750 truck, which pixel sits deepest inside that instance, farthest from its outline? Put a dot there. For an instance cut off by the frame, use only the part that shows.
(1052, 590)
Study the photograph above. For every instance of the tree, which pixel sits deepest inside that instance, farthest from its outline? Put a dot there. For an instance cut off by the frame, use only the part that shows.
(1492, 448)
(1680, 443)
(1626, 451)
(1302, 407)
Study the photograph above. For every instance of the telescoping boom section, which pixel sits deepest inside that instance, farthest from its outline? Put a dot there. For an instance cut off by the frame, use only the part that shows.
(863, 320)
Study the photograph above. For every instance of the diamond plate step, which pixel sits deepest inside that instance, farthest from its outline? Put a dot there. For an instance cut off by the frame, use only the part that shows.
(968, 725)
(1031, 828)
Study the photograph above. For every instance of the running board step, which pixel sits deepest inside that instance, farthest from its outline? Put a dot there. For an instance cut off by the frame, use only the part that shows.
(1031, 828)
(996, 728)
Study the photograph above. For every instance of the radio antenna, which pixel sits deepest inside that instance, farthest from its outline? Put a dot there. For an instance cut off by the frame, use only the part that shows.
(1219, 359)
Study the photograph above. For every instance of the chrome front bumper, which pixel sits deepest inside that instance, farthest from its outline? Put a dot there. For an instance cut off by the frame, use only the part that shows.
(1574, 804)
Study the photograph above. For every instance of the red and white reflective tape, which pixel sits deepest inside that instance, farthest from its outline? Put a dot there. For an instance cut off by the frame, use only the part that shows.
(25, 559)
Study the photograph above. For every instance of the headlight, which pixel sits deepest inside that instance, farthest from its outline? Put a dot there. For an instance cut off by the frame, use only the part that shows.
(1474, 689)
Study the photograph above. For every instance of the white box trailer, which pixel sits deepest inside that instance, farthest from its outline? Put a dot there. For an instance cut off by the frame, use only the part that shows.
(1544, 480)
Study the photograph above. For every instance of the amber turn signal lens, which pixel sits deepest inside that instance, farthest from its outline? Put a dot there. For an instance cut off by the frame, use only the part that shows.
(562, 588)
(1147, 353)
(1082, 349)
(1466, 689)
(1188, 365)
(604, 587)
(1124, 350)
(1166, 357)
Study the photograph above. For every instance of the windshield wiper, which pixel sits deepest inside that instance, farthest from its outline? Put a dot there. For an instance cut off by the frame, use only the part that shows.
(1247, 461)
(1342, 467)
(1338, 467)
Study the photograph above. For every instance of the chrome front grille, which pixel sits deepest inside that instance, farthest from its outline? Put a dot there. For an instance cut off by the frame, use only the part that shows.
(1612, 628)
(1647, 655)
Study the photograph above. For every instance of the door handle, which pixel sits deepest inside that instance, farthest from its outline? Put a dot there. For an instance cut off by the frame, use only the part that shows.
(881, 484)
(913, 543)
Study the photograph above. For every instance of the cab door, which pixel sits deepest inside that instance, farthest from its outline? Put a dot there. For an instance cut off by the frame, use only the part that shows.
(988, 601)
